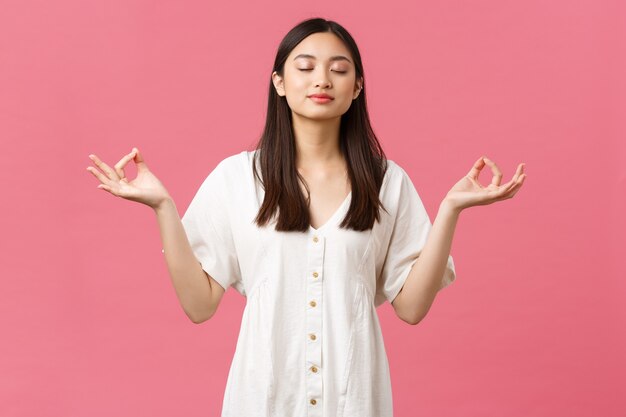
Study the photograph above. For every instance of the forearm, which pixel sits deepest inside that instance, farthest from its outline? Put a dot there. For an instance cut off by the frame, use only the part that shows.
(191, 283)
(424, 280)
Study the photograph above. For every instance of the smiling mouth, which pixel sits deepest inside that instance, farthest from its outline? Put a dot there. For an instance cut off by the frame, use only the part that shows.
(321, 99)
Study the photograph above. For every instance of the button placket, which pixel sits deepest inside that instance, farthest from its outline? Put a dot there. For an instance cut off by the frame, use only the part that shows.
(313, 354)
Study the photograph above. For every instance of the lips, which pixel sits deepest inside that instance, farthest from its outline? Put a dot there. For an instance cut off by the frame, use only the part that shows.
(321, 96)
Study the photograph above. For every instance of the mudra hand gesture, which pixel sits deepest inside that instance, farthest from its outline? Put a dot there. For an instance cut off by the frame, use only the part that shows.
(469, 192)
(145, 189)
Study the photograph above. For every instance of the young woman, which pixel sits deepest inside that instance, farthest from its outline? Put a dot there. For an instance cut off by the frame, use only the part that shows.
(316, 228)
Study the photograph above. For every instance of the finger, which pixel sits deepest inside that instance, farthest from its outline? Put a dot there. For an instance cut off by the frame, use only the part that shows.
(104, 167)
(497, 174)
(141, 165)
(501, 192)
(113, 190)
(515, 188)
(508, 185)
(511, 185)
(100, 176)
(475, 171)
(119, 167)
(519, 174)
(519, 171)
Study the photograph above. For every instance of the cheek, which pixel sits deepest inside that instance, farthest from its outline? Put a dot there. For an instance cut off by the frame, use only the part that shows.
(296, 90)
(345, 85)
(295, 81)
(347, 91)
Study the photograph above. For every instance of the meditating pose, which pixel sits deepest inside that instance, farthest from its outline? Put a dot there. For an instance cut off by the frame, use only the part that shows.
(316, 228)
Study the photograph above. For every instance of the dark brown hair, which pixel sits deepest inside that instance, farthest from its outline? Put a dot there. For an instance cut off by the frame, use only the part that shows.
(276, 149)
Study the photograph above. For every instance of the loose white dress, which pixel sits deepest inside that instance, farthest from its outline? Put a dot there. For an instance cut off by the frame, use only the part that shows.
(310, 343)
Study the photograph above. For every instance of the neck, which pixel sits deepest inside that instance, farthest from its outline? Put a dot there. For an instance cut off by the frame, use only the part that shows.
(317, 142)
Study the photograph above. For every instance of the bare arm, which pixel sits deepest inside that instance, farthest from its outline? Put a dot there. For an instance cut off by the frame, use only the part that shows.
(424, 280)
(198, 292)
(421, 286)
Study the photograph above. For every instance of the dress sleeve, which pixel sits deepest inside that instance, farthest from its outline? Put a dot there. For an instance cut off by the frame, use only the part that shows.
(410, 229)
(208, 228)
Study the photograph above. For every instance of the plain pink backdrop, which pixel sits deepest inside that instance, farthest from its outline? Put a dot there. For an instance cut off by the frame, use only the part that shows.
(534, 324)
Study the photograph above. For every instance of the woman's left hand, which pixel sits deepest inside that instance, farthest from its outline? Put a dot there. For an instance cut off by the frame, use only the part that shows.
(469, 192)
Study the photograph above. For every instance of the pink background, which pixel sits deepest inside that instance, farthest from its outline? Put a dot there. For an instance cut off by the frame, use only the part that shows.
(534, 324)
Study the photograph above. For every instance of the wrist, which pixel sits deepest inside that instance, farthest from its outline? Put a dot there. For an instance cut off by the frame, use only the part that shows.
(448, 206)
(164, 205)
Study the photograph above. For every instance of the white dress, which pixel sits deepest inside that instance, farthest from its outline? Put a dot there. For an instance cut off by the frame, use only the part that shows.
(310, 342)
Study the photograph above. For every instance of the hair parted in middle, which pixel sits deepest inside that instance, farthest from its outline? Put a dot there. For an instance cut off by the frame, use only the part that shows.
(276, 149)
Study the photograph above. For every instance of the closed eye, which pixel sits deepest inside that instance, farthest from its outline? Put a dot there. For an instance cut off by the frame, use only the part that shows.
(310, 69)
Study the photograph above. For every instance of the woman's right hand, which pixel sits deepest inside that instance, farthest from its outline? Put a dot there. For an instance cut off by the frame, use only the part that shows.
(145, 189)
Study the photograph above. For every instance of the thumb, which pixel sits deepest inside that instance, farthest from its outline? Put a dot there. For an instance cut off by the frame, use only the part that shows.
(139, 160)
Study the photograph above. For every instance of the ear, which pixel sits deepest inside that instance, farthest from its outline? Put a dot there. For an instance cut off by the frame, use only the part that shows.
(278, 83)
(357, 88)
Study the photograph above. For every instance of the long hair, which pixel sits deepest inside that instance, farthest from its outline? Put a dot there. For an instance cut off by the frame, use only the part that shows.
(276, 151)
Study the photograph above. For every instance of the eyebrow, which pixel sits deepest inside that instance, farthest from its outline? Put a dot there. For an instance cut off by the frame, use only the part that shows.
(332, 58)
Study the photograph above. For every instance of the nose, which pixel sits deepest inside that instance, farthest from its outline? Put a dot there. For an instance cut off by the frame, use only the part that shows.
(322, 81)
(320, 84)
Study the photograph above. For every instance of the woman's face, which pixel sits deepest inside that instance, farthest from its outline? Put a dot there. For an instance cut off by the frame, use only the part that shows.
(319, 64)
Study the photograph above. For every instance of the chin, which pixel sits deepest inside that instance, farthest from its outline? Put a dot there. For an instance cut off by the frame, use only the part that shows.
(319, 116)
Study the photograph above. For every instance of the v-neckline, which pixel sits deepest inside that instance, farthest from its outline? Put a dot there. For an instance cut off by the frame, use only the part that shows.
(334, 217)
